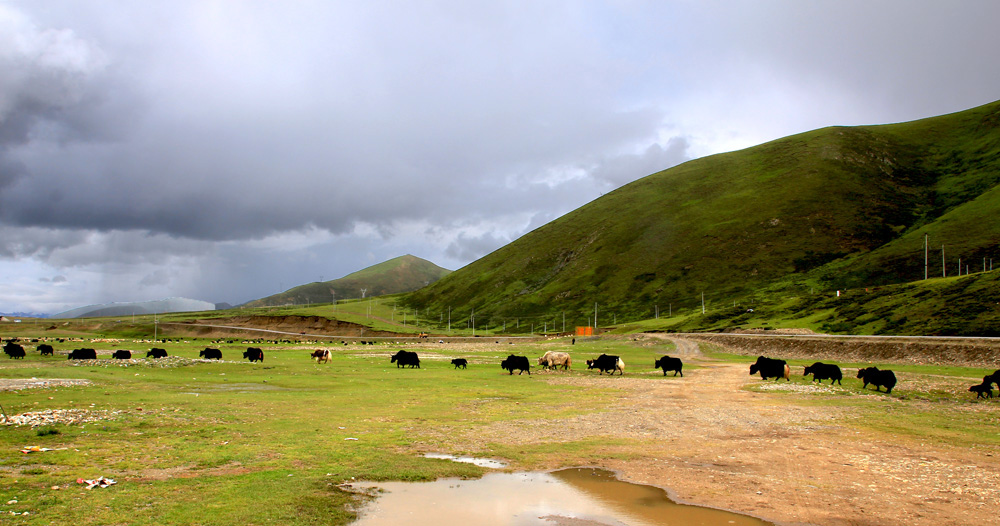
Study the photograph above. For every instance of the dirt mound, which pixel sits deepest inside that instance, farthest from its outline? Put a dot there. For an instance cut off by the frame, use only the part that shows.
(283, 326)
(769, 331)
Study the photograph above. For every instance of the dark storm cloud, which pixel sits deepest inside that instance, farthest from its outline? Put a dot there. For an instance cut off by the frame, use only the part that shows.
(35, 242)
(220, 149)
(43, 85)
(245, 140)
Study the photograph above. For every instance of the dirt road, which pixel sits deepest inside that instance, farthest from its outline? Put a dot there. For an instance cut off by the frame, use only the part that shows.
(710, 442)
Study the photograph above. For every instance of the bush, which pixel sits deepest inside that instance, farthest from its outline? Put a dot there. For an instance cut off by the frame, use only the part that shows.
(46, 430)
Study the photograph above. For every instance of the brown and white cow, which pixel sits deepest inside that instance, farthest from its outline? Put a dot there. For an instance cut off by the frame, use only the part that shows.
(554, 359)
(321, 355)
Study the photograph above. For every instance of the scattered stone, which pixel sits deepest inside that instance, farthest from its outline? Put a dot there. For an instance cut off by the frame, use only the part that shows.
(17, 384)
(59, 416)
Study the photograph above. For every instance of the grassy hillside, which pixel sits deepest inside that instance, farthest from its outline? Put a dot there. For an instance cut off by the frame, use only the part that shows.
(402, 274)
(835, 208)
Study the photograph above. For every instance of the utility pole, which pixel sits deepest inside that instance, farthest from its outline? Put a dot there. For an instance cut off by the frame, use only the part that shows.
(595, 316)
(925, 256)
(944, 267)
(703, 302)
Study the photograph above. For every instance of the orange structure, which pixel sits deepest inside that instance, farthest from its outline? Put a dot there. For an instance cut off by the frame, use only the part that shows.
(585, 331)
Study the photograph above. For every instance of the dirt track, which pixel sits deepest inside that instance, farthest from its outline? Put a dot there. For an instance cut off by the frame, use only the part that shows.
(713, 443)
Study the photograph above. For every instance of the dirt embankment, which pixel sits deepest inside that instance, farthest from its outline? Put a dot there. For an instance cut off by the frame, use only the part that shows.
(310, 328)
(971, 352)
(251, 327)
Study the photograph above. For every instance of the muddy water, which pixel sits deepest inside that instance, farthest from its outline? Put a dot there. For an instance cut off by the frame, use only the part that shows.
(481, 462)
(572, 497)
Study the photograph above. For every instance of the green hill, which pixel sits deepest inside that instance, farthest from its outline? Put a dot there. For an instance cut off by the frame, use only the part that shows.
(402, 274)
(835, 208)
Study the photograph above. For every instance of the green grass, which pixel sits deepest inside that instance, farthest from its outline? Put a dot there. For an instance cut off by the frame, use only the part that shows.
(238, 443)
(233, 442)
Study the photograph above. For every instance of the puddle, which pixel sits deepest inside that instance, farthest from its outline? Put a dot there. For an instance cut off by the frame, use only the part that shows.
(481, 462)
(571, 497)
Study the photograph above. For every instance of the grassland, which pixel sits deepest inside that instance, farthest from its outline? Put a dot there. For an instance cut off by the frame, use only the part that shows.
(204, 442)
(237, 443)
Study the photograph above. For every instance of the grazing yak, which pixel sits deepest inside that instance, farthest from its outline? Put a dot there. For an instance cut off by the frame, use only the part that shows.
(993, 378)
(156, 353)
(985, 388)
(872, 375)
(13, 350)
(210, 354)
(254, 354)
(824, 371)
(668, 363)
(403, 358)
(122, 355)
(460, 362)
(516, 362)
(82, 354)
(770, 367)
(46, 349)
(321, 355)
(554, 359)
(607, 363)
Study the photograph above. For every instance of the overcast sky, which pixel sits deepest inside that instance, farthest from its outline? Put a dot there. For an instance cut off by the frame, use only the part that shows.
(228, 150)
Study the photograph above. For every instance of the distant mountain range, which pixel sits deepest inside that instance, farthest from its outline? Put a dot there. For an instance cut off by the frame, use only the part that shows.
(143, 307)
(403, 274)
(23, 315)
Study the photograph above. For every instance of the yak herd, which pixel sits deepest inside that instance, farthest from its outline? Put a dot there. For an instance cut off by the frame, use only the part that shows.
(774, 368)
(553, 360)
